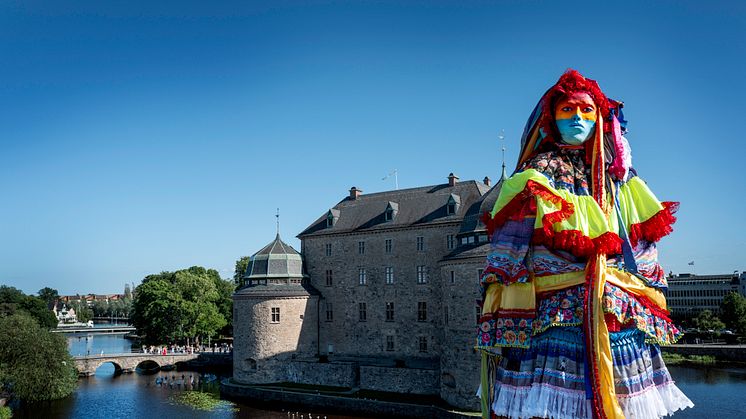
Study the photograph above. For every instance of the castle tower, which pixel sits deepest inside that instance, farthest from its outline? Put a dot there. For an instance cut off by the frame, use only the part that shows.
(275, 315)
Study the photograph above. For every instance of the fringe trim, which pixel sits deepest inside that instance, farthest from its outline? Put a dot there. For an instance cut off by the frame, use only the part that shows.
(656, 227)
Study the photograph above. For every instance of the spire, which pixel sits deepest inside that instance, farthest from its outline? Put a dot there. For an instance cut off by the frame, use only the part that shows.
(278, 222)
(502, 140)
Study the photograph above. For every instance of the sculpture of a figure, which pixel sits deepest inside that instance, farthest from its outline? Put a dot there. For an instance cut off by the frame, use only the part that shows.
(573, 311)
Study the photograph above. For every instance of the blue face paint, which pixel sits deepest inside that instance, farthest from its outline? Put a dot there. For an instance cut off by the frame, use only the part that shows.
(576, 130)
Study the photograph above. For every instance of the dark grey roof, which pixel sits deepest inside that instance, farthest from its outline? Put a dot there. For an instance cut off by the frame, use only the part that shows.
(277, 290)
(478, 250)
(277, 247)
(473, 217)
(416, 206)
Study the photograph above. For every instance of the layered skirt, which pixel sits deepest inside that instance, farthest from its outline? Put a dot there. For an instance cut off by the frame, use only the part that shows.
(548, 380)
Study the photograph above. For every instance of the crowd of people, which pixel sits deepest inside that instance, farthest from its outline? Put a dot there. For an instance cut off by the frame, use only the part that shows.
(224, 348)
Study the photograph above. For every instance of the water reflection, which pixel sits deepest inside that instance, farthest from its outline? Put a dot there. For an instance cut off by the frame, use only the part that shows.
(716, 392)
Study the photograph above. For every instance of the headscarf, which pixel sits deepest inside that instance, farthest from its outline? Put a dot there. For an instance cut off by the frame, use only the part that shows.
(540, 133)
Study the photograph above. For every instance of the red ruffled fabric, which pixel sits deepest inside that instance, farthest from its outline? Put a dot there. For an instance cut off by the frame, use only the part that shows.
(656, 227)
(572, 241)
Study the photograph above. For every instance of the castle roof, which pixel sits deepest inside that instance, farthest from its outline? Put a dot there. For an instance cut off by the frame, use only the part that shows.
(421, 206)
(275, 271)
(276, 260)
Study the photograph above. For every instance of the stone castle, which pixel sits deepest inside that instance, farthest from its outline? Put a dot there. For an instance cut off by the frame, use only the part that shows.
(381, 297)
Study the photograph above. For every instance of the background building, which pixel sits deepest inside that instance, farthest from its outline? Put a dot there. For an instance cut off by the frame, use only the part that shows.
(688, 294)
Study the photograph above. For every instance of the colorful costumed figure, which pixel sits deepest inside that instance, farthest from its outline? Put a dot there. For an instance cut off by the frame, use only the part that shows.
(573, 311)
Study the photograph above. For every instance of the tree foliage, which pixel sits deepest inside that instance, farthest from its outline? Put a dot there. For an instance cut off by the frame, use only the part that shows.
(82, 311)
(734, 312)
(13, 301)
(241, 265)
(34, 362)
(705, 320)
(190, 303)
(49, 295)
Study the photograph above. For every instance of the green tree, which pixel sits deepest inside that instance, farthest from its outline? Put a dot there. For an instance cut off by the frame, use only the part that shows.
(82, 311)
(241, 265)
(13, 301)
(734, 312)
(49, 295)
(705, 320)
(34, 363)
(187, 304)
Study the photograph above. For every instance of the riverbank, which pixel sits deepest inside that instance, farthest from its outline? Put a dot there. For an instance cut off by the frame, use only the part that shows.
(341, 400)
(725, 353)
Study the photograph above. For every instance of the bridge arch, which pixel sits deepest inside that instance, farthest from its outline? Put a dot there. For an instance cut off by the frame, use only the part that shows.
(117, 367)
(148, 366)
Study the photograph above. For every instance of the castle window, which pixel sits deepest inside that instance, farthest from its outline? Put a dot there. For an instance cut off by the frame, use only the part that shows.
(450, 242)
(362, 312)
(328, 249)
(445, 316)
(389, 312)
(392, 208)
(329, 312)
(329, 281)
(479, 313)
(453, 277)
(454, 201)
(421, 274)
(329, 220)
(388, 245)
(420, 244)
(389, 343)
(275, 314)
(362, 277)
(361, 248)
(389, 275)
(423, 344)
(422, 311)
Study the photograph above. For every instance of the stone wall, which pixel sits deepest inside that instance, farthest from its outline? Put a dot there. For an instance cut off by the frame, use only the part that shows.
(345, 333)
(399, 380)
(322, 374)
(460, 364)
(263, 348)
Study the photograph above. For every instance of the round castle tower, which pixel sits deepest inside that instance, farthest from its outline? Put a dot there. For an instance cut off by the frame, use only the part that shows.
(275, 315)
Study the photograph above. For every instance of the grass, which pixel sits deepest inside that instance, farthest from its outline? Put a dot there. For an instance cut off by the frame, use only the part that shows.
(677, 359)
(206, 402)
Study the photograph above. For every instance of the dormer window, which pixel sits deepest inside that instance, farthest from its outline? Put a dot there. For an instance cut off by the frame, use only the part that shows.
(454, 201)
(392, 208)
(331, 217)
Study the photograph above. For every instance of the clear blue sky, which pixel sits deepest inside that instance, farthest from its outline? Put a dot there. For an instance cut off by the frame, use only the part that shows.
(141, 138)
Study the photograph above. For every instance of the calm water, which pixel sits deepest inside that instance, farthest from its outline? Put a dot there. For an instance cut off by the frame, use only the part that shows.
(716, 392)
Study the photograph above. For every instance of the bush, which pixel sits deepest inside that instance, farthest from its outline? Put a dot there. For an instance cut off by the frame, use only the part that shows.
(5, 412)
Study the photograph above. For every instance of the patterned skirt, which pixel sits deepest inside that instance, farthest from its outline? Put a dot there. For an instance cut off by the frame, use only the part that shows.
(547, 380)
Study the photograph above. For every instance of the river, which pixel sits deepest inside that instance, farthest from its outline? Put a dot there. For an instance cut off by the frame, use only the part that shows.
(716, 392)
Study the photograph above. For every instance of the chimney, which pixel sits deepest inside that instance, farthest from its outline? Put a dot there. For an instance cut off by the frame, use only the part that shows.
(452, 179)
(487, 180)
(355, 192)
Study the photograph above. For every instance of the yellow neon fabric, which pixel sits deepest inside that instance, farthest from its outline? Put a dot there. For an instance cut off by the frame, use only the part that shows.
(602, 345)
(520, 295)
(637, 203)
(492, 299)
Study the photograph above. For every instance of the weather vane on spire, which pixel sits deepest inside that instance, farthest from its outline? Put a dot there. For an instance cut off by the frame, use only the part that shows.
(501, 137)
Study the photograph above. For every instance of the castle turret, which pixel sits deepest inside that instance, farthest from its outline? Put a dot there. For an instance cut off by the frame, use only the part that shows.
(275, 315)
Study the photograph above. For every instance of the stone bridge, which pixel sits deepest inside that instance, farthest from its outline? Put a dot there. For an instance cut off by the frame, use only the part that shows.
(124, 363)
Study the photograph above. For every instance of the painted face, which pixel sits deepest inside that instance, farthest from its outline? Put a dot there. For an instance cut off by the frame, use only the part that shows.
(576, 117)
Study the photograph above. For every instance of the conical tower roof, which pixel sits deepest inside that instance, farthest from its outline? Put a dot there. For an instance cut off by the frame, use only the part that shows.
(276, 260)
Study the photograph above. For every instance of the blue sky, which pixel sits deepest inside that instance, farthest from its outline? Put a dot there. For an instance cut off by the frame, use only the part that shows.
(138, 138)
